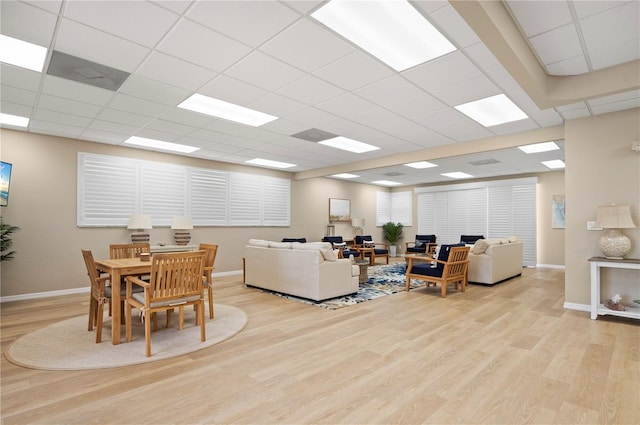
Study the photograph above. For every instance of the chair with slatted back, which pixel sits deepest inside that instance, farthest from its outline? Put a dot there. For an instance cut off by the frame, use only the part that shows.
(209, 261)
(128, 250)
(100, 294)
(176, 281)
(450, 267)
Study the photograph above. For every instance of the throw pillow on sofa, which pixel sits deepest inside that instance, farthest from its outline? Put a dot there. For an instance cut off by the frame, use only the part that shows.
(480, 247)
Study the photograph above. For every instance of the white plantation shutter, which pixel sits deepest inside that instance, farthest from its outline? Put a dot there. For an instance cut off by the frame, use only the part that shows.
(394, 206)
(107, 190)
(163, 192)
(383, 208)
(110, 189)
(209, 203)
(494, 209)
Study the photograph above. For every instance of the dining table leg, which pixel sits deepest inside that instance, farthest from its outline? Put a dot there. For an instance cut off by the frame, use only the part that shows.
(115, 307)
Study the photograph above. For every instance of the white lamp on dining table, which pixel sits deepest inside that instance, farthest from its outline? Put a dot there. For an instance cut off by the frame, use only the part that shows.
(182, 225)
(139, 222)
(612, 218)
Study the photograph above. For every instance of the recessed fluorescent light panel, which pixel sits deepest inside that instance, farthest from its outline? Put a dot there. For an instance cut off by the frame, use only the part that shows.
(20, 53)
(421, 164)
(14, 120)
(269, 163)
(393, 31)
(159, 144)
(228, 111)
(555, 164)
(494, 110)
(539, 147)
(457, 175)
(347, 144)
(386, 183)
(345, 176)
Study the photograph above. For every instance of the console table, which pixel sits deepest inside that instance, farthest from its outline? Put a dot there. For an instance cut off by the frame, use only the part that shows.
(172, 248)
(596, 305)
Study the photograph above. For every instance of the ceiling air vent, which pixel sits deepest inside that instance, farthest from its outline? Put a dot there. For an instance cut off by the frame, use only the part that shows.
(393, 174)
(314, 135)
(485, 162)
(83, 71)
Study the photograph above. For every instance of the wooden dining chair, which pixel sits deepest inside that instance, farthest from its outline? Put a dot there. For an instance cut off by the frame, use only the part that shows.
(128, 250)
(100, 294)
(176, 281)
(209, 261)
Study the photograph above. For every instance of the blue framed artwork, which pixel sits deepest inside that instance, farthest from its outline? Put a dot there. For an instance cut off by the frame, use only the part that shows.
(5, 180)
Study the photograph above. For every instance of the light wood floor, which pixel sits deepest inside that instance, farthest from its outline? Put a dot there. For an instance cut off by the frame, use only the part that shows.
(507, 354)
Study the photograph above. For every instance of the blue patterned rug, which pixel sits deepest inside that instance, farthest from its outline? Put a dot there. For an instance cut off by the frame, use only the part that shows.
(383, 280)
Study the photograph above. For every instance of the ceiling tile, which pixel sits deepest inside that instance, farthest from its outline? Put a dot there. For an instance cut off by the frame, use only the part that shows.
(588, 8)
(250, 22)
(457, 30)
(19, 96)
(274, 73)
(54, 103)
(416, 106)
(41, 26)
(153, 91)
(169, 70)
(232, 90)
(103, 137)
(466, 91)
(445, 71)
(72, 90)
(191, 42)
(389, 90)
(132, 104)
(176, 6)
(141, 22)
(96, 46)
(310, 90)
(169, 127)
(15, 109)
(571, 66)
(15, 76)
(347, 105)
(185, 117)
(112, 127)
(57, 117)
(558, 44)
(277, 105)
(536, 17)
(308, 45)
(55, 129)
(354, 71)
(123, 117)
(601, 31)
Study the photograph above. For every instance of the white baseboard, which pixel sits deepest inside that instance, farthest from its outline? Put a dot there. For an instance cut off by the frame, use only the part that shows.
(37, 295)
(551, 266)
(574, 306)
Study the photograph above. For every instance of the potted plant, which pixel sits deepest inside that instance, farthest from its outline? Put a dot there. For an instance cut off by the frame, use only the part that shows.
(5, 240)
(392, 233)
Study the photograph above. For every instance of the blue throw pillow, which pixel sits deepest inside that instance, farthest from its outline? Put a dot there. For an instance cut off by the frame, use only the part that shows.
(419, 243)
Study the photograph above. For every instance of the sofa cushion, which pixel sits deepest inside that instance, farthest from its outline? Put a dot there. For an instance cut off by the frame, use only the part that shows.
(480, 247)
(328, 254)
(513, 239)
(281, 245)
(259, 242)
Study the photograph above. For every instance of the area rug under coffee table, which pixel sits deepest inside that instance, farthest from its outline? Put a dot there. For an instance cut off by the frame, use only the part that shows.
(383, 280)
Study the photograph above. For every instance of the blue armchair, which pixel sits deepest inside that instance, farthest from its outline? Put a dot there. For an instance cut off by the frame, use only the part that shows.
(343, 250)
(301, 240)
(421, 245)
(451, 267)
(367, 242)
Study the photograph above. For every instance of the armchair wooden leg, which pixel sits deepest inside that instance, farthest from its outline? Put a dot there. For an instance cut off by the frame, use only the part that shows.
(147, 333)
(443, 285)
(99, 323)
(127, 321)
(210, 302)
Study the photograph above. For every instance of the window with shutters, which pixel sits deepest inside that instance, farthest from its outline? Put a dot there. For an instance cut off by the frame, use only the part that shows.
(110, 189)
(394, 206)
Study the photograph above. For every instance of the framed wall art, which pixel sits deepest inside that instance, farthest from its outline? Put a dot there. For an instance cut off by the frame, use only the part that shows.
(339, 210)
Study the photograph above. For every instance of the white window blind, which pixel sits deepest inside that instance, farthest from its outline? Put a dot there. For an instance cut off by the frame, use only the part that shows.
(493, 209)
(394, 206)
(110, 189)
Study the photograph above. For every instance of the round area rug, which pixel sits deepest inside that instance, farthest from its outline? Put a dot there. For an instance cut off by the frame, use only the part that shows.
(67, 345)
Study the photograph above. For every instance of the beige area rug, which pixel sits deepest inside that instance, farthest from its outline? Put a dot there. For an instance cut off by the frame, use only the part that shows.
(67, 345)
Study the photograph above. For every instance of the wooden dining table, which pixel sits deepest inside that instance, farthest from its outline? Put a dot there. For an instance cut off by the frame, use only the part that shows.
(118, 269)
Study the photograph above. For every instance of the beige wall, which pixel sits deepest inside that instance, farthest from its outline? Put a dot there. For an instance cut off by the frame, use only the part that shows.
(550, 241)
(601, 169)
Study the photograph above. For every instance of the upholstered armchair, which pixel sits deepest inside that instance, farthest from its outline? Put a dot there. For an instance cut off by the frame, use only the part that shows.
(470, 239)
(421, 244)
(338, 243)
(372, 249)
(301, 240)
(450, 267)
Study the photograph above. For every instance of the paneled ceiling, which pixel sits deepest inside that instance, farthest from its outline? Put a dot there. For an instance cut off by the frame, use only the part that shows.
(274, 57)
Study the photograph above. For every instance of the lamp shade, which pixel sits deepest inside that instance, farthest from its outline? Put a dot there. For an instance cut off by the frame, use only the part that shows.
(139, 221)
(614, 217)
(182, 223)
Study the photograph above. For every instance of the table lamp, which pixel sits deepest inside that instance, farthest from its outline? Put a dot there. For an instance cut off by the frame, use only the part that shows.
(139, 222)
(612, 218)
(358, 226)
(182, 225)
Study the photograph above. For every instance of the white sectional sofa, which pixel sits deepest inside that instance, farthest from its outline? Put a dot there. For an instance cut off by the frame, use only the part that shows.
(494, 260)
(307, 270)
